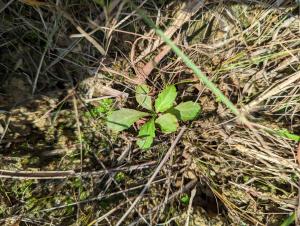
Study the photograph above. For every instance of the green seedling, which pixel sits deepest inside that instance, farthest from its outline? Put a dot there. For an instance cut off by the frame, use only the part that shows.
(163, 114)
(104, 107)
(120, 176)
(185, 199)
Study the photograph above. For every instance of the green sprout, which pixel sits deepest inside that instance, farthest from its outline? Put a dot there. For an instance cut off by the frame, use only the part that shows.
(104, 107)
(120, 176)
(163, 114)
(185, 199)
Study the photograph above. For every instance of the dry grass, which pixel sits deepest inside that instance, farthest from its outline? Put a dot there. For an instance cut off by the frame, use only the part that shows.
(58, 59)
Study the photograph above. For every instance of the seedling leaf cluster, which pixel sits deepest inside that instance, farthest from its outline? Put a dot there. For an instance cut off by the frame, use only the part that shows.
(162, 113)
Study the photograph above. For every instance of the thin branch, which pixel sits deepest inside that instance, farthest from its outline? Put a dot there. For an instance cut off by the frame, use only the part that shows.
(69, 173)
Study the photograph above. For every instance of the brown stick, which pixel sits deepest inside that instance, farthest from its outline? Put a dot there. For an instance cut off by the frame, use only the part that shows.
(144, 72)
(67, 174)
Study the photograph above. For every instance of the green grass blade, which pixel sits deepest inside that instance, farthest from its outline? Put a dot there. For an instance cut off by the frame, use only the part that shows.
(286, 134)
(289, 220)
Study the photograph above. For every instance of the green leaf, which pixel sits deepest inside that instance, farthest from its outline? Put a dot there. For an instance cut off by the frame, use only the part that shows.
(142, 96)
(146, 134)
(123, 119)
(165, 99)
(167, 122)
(145, 142)
(187, 110)
(148, 129)
(185, 199)
(100, 2)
